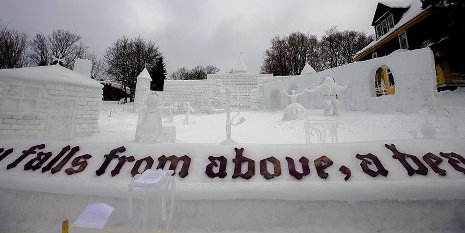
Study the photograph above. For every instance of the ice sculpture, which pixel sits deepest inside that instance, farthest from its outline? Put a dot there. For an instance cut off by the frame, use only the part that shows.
(230, 121)
(149, 125)
(188, 109)
(294, 110)
(329, 91)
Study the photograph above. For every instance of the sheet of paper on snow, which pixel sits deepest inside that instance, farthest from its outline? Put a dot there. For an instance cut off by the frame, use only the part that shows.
(151, 177)
(94, 216)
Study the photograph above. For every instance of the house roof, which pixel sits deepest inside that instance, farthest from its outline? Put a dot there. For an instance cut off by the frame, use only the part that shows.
(385, 6)
(115, 85)
(413, 12)
(48, 74)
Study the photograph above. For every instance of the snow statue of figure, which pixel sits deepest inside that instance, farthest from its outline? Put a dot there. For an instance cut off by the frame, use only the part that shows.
(294, 110)
(188, 109)
(230, 121)
(149, 125)
(329, 91)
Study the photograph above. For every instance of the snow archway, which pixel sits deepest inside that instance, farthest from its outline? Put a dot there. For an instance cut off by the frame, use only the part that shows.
(384, 81)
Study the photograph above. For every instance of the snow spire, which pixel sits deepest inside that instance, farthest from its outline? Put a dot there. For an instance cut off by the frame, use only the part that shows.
(307, 69)
(144, 74)
(240, 65)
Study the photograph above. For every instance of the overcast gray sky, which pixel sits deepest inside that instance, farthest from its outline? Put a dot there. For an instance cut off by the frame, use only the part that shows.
(189, 32)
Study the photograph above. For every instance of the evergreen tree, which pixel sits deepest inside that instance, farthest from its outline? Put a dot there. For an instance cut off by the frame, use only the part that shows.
(158, 73)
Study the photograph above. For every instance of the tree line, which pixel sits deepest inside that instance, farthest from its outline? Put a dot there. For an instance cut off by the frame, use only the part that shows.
(196, 73)
(287, 55)
(122, 62)
(127, 57)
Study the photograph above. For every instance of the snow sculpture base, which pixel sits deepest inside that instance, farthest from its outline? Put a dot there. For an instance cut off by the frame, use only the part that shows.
(158, 187)
(228, 141)
(294, 111)
(321, 130)
(168, 134)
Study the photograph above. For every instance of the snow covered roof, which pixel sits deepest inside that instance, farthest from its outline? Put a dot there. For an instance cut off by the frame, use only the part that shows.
(115, 85)
(47, 74)
(240, 66)
(414, 11)
(397, 4)
(144, 75)
(308, 69)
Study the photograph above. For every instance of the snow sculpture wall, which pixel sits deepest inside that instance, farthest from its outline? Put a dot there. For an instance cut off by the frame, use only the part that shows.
(203, 95)
(414, 75)
(261, 81)
(48, 102)
(241, 85)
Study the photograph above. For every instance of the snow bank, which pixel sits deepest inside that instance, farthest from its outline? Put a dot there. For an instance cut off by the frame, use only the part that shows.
(43, 212)
(415, 83)
(196, 185)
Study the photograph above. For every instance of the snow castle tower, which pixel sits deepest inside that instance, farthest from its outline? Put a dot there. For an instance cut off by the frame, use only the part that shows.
(308, 69)
(142, 89)
(240, 66)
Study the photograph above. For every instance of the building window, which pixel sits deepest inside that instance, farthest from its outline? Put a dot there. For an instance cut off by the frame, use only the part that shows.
(379, 31)
(403, 41)
(384, 82)
(390, 21)
(19, 98)
(384, 27)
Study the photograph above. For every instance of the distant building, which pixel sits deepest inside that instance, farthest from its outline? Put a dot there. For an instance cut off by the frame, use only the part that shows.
(113, 91)
(400, 27)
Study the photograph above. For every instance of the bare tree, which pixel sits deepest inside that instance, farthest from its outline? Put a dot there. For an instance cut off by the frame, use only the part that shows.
(287, 56)
(196, 73)
(338, 47)
(39, 51)
(179, 74)
(126, 58)
(13, 45)
(275, 58)
(211, 69)
(66, 45)
(98, 69)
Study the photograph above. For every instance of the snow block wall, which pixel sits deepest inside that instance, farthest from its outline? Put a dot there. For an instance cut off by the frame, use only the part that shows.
(207, 95)
(241, 85)
(33, 200)
(48, 102)
(261, 81)
(203, 95)
(414, 76)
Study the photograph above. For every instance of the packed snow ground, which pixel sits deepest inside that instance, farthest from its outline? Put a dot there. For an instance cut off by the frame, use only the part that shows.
(32, 206)
(118, 123)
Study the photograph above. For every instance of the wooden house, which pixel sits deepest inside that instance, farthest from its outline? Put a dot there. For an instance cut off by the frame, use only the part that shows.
(399, 27)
